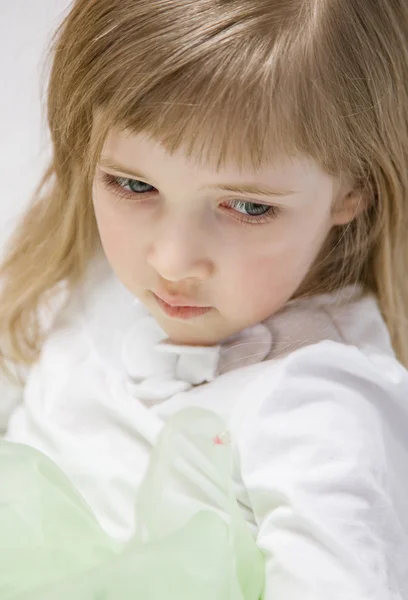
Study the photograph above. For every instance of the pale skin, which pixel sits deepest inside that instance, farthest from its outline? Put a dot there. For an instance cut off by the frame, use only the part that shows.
(180, 235)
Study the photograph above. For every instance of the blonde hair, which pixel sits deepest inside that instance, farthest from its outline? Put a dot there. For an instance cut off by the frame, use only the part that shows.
(239, 80)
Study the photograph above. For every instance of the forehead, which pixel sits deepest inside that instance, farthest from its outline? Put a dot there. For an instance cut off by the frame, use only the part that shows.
(140, 152)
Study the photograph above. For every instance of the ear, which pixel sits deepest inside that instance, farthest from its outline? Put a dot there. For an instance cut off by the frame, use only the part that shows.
(349, 206)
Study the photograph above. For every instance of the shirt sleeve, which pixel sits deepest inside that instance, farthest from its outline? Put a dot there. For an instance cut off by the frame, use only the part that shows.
(314, 464)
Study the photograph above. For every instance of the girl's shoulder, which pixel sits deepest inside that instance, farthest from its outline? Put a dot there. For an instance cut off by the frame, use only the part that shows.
(328, 342)
(331, 355)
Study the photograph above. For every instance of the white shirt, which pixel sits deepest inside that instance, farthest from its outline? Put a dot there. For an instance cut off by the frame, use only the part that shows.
(314, 400)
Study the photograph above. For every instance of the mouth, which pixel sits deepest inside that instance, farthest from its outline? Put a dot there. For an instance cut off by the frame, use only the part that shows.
(179, 311)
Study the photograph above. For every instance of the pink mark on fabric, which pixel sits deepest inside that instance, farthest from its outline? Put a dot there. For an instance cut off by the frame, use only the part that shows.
(222, 439)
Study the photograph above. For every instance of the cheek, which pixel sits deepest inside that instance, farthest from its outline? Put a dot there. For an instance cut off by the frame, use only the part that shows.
(119, 234)
(263, 277)
(278, 259)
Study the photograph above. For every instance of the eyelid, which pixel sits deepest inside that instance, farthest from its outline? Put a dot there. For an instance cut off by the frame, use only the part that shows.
(237, 196)
(122, 175)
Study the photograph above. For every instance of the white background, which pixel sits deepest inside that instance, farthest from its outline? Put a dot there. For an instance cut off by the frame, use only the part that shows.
(26, 27)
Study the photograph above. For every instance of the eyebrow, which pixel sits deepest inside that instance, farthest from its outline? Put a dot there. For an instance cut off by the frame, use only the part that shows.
(242, 188)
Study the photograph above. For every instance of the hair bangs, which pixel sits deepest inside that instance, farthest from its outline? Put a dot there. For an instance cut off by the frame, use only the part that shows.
(234, 107)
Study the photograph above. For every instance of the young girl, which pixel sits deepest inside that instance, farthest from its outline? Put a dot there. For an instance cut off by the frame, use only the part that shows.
(225, 229)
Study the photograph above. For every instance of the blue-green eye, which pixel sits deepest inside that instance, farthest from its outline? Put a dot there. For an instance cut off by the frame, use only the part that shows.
(136, 186)
(252, 212)
(250, 209)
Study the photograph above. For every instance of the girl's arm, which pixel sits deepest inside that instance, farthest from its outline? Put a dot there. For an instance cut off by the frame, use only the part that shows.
(319, 477)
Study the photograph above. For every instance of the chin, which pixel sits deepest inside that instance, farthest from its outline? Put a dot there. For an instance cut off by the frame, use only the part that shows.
(190, 337)
(190, 333)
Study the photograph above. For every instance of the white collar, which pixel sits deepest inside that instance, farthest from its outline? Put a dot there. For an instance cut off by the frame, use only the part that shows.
(158, 369)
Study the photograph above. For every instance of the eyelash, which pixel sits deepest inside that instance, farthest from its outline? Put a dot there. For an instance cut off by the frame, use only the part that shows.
(116, 184)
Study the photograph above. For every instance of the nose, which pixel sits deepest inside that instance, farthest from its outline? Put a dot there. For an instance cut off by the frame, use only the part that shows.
(179, 251)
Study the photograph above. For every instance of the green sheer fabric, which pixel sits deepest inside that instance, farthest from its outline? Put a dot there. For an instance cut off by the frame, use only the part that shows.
(191, 540)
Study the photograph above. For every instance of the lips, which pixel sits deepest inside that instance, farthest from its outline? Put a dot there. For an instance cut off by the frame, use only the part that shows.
(178, 301)
(182, 312)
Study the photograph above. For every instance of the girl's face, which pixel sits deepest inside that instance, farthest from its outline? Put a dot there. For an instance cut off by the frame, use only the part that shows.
(238, 242)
